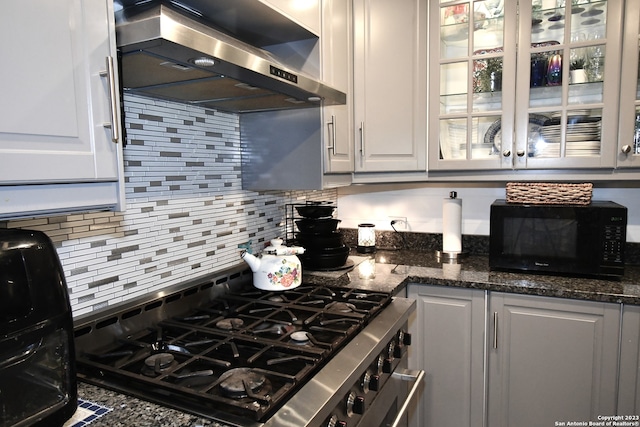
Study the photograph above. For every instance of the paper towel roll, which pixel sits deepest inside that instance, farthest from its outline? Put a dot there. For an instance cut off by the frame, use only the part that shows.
(452, 225)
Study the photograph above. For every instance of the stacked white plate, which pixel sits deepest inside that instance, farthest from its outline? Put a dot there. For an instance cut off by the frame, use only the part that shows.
(582, 138)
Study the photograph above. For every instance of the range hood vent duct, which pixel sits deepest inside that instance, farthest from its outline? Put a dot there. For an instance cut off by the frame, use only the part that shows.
(168, 55)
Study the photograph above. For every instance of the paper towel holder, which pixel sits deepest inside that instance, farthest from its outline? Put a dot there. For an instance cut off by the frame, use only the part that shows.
(450, 257)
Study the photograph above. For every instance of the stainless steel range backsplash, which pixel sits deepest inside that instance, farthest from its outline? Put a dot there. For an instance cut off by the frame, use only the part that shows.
(186, 210)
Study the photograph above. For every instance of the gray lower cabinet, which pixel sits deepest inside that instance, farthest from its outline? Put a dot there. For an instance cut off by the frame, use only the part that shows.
(551, 360)
(629, 391)
(448, 343)
(499, 360)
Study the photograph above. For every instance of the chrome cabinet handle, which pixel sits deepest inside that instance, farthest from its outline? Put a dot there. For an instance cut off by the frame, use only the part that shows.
(626, 149)
(110, 75)
(362, 139)
(520, 153)
(332, 126)
(506, 153)
(495, 329)
(407, 375)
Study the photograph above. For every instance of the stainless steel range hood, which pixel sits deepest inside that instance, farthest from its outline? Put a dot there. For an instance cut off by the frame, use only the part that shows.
(173, 54)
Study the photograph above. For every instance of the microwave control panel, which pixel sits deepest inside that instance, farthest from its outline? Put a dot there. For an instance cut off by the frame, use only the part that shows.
(614, 237)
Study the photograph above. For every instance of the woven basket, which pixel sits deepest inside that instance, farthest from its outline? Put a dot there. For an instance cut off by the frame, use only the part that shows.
(546, 193)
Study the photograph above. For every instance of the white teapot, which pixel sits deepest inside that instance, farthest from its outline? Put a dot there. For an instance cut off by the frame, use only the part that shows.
(278, 269)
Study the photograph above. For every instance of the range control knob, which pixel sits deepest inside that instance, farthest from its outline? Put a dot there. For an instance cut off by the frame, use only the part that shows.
(334, 422)
(380, 364)
(358, 405)
(366, 382)
(387, 366)
(374, 382)
(391, 349)
(355, 404)
(404, 338)
(397, 352)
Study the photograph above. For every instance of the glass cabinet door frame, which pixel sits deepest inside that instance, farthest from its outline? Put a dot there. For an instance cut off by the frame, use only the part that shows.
(515, 107)
(629, 100)
(506, 113)
(610, 93)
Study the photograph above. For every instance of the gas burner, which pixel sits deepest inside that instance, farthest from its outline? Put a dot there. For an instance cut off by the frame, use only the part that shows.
(158, 363)
(276, 298)
(270, 328)
(230, 324)
(243, 382)
(300, 337)
(341, 307)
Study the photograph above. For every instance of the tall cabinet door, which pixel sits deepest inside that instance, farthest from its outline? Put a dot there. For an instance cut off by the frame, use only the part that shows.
(551, 360)
(628, 154)
(337, 66)
(58, 92)
(629, 383)
(390, 85)
(568, 83)
(472, 84)
(449, 345)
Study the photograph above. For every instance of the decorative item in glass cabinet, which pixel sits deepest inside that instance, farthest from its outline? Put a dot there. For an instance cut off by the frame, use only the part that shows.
(577, 72)
(554, 70)
(366, 238)
(538, 70)
(488, 75)
(595, 63)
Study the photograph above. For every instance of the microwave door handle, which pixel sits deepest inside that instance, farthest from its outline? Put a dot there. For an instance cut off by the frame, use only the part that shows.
(407, 375)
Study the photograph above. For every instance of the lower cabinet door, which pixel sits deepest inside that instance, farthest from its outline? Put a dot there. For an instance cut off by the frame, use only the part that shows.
(629, 385)
(448, 343)
(551, 360)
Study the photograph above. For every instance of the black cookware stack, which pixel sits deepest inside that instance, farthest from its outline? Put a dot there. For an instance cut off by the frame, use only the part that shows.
(318, 233)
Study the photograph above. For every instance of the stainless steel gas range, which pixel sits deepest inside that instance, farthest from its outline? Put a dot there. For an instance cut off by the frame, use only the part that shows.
(221, 349)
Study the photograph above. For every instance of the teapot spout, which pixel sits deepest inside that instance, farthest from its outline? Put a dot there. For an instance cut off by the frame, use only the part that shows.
(254, 263)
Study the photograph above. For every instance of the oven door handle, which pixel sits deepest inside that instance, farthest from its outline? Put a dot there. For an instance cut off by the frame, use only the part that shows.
(407, 375)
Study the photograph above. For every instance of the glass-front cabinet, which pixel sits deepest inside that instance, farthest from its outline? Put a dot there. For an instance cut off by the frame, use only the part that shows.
(524, 85)
(629, 135)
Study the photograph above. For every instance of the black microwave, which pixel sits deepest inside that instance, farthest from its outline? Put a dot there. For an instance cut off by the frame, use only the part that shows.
(37, 356)
(572, 240)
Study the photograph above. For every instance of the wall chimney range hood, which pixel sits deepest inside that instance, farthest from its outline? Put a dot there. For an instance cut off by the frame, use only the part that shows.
(172, 51)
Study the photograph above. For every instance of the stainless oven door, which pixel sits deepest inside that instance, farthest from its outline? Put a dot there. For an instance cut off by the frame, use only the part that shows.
(389, 409)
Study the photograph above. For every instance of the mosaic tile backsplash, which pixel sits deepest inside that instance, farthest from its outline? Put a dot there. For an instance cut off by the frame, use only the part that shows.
(186, 209)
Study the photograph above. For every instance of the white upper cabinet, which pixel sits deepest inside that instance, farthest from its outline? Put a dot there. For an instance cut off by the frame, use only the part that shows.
(60, 104)
(524, 85)
(337, 70)
(629, 134)
(390, 85)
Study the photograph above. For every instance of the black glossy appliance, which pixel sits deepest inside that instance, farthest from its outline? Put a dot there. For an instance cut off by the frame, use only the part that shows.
(576, 240)
(37, 355)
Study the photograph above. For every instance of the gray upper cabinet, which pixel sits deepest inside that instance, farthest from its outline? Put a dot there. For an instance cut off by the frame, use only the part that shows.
(390, 85)
(60, 134)
(337, 69)
(524, 85)
(629, 134)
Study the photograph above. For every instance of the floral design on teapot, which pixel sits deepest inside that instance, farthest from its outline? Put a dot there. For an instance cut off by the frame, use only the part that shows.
(287, 276)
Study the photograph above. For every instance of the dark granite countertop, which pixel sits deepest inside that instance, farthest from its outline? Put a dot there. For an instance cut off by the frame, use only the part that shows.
(394, 270)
